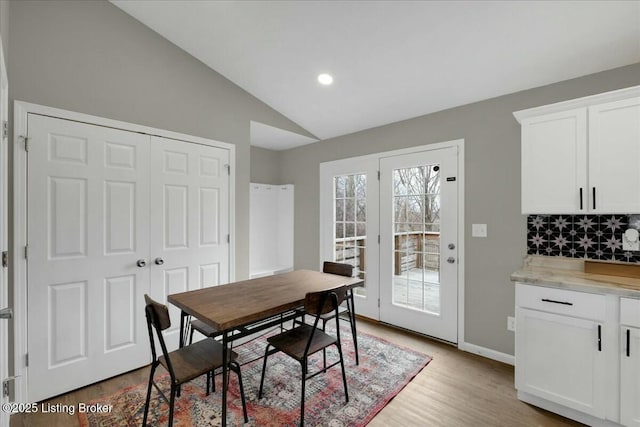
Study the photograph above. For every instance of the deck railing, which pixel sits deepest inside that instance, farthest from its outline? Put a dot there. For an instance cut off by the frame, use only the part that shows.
(413, 249)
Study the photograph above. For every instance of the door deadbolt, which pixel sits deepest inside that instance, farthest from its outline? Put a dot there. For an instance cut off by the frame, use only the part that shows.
(451, 246)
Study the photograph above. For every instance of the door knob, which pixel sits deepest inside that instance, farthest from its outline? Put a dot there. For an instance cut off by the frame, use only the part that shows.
(159, 261)
(141, 263)
(6, 313)
(451, 260)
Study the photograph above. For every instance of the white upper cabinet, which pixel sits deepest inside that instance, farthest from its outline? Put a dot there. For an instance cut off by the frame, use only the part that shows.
(614, 156)
(554, 159)
(582, 156)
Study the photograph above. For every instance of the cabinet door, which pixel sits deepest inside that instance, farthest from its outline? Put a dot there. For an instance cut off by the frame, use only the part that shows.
(614, 156)
(630, 377)
(558, 359)
(554, 163)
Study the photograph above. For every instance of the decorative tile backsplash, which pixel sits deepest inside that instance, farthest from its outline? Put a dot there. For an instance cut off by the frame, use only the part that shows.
(580, 236)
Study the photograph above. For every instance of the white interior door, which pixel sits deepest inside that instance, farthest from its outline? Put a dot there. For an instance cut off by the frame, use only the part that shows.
(4, 211)
(419, 242)
(189, 221)
(88, 210)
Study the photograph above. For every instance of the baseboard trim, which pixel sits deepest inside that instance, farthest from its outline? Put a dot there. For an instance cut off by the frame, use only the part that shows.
(487, 352)
(564, 411)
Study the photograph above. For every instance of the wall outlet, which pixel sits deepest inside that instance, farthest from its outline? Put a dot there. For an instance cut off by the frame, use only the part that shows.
(511, 323)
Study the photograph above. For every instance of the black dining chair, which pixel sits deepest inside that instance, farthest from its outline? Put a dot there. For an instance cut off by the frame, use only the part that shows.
(184, 364)
(347, 307)
(305, 340)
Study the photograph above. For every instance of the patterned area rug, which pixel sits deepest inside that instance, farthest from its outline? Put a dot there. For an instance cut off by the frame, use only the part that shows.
(384, 370)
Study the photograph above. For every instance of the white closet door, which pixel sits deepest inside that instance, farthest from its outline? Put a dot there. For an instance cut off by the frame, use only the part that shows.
(87, 226)
(189, 221)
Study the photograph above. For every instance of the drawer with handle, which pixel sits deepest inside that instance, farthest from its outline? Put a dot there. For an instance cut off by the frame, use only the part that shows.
(561, 301)
(630, 312)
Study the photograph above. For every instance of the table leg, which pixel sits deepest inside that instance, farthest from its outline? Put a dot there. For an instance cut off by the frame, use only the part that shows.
(183, 316)
(225, 373)
(352, 314)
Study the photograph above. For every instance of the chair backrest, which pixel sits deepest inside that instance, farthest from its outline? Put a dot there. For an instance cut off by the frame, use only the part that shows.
(322, 302)
(159, 313)
(158, 319)
(338, 268)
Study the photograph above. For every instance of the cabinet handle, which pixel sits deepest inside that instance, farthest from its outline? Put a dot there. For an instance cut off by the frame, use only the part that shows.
(599, 337)
(594, 197)
(581, 199)
(557, 302)
(628, 342)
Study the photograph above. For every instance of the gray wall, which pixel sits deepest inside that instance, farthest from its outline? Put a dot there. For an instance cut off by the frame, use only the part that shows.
(492, 189)
(91, 57)
(265, 166)
(4, 27)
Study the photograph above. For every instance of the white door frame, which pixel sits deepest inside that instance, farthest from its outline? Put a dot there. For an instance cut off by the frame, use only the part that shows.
(328, 168)
(19, 263)
(4, 232)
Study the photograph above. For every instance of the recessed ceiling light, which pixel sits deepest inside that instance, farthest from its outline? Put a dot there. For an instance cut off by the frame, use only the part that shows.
(325, 79)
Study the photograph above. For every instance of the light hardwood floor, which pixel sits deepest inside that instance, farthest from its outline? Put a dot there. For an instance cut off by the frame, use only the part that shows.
(455, 389)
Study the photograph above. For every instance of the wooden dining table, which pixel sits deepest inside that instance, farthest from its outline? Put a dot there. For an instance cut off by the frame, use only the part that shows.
(245, 307)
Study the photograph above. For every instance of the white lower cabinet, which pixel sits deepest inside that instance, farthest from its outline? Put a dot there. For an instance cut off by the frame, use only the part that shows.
(562, 362)
(630, 362)
(578, 354)
(559, 356)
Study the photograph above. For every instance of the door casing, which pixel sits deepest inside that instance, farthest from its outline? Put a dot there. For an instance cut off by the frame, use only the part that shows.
(19, 262)
(4, 233)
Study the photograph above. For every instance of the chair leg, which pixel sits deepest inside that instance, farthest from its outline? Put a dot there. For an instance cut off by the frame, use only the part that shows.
(352, 320)
(303, 364)
(191, 335)
(146, 404)
(344, 375)
(236, 367)
(172, 401)
(324, 350)
(264, 368)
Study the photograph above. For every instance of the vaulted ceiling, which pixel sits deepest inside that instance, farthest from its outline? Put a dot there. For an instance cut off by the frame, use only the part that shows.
(392, 60)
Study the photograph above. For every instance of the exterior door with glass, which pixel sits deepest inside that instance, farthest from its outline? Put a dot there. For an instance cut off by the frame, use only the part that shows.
(418, 242)
(349, 212)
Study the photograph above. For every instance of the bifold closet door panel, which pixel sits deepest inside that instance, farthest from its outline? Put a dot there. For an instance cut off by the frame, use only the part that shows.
(88, 210)
(189, 220)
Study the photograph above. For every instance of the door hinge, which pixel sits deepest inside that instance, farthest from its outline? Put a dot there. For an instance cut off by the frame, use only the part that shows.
(26, 252)
(228, 168)
(5, 129)
(378, 239)
(26, 360)
(378, 175)
(5, 386)
(378, 302)
(5, 259)
(228, 238)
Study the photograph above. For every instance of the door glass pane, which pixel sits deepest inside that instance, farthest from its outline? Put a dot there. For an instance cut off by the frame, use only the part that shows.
(416, 203)
(350, 215)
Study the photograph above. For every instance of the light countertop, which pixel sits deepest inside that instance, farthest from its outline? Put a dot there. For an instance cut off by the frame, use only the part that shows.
(568, 273)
